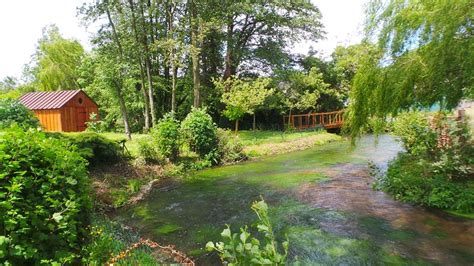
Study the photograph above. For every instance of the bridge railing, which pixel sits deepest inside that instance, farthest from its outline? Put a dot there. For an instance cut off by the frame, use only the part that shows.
(333, 119)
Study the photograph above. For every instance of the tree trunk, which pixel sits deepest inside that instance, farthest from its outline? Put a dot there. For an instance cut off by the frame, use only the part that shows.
(195, 55)
(148, 67)
(142, 74)
(236, 126)
(173, 88)
(146, 110)
(118, 85)
(254, 124)
(228, 72)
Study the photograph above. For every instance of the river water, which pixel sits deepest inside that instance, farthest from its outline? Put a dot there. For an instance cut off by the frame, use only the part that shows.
(321, 199)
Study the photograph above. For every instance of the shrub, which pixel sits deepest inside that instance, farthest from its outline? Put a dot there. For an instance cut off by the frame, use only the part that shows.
(44, 199)
(95, 148)
(229, 148)
(413, 179)
(436, 170)
(413, 129)
(199, 132)
(243, 249)
(94, 124)
(166, 136)
(148, 152)
(13, 112)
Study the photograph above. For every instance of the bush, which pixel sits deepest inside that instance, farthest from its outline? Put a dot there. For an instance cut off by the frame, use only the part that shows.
(96, 149)
(229, 148)
(199, 132)
(166, 136)
(13, 112)
(412, 179)
(148, 152)
(413, 129)
(243, 249)
(436, 170)
(44, 199)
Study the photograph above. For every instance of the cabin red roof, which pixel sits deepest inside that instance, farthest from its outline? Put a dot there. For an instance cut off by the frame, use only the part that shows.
(47, 100)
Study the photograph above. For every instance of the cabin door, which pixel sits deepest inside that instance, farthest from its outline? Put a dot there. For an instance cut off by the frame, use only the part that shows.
(81, 118)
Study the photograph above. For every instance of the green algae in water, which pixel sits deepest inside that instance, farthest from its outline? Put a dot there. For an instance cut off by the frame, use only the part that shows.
(167, 229)
(203, 203)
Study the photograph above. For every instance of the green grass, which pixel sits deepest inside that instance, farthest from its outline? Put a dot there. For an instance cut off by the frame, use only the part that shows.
(249, 137)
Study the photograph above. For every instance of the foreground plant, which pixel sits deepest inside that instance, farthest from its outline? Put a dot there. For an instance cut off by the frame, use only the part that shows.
(244, 249)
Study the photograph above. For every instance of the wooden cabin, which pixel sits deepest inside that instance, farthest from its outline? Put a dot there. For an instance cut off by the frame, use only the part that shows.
(64, 111)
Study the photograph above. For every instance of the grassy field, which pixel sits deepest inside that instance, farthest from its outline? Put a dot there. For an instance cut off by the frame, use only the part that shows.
(257, 143)
(249, 137)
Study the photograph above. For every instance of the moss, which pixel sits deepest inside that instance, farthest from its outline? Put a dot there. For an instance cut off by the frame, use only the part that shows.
(461, 214)
(167, 229)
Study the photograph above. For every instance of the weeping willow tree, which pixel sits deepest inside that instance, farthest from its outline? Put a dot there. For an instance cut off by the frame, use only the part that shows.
(424, 56)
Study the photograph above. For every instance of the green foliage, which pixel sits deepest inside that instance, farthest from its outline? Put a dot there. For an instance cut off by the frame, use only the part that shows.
(244, 249)
(44, 199)
(199, 132)
(413, 129)
(95, 148)
(166, 136)
(13, 112)
(242, 96)
(94, 125)
(57, 60)
(108, 239)
(229, 147)
(148, 151)
(436, 169)
(425, 56)
(412, 179)
(300, 91)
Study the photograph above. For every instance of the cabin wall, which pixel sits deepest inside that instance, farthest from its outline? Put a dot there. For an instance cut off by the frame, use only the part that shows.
(50, 119)
(76, 112)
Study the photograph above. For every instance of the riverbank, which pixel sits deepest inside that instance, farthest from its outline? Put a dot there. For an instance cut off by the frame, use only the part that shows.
(321, 198)
(130, 181)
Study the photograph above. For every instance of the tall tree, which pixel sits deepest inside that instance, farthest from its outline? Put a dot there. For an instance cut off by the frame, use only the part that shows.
(426, 56)
(56, 61)
(253, 26)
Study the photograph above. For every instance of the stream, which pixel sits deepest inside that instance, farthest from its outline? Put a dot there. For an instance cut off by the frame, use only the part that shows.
(320, 198)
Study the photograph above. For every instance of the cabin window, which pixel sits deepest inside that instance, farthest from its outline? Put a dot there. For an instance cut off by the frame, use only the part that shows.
(80, 100)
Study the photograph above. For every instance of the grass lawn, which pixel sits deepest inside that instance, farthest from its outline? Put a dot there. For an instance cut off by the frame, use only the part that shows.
(257, 143)
(249, 137)
(261, 143)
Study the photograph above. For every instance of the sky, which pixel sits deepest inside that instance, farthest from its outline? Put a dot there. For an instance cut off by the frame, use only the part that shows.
(22, 21)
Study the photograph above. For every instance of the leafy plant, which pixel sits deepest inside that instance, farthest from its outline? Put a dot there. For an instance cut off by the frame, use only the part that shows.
(95, 148)
(244, 249)
(44, 199)
(229, 148)
(436, 168)
(199, 132)
(13, 112)
(166, 136)
(413, 129)
(94, 124)
(148, 152)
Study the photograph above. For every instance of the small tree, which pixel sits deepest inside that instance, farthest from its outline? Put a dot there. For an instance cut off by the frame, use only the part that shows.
(301, 91)
(243, 97)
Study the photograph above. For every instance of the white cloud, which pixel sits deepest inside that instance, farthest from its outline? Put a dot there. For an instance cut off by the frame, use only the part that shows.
(22, 21)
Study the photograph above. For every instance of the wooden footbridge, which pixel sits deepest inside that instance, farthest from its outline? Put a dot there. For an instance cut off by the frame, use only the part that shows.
(311, 120)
